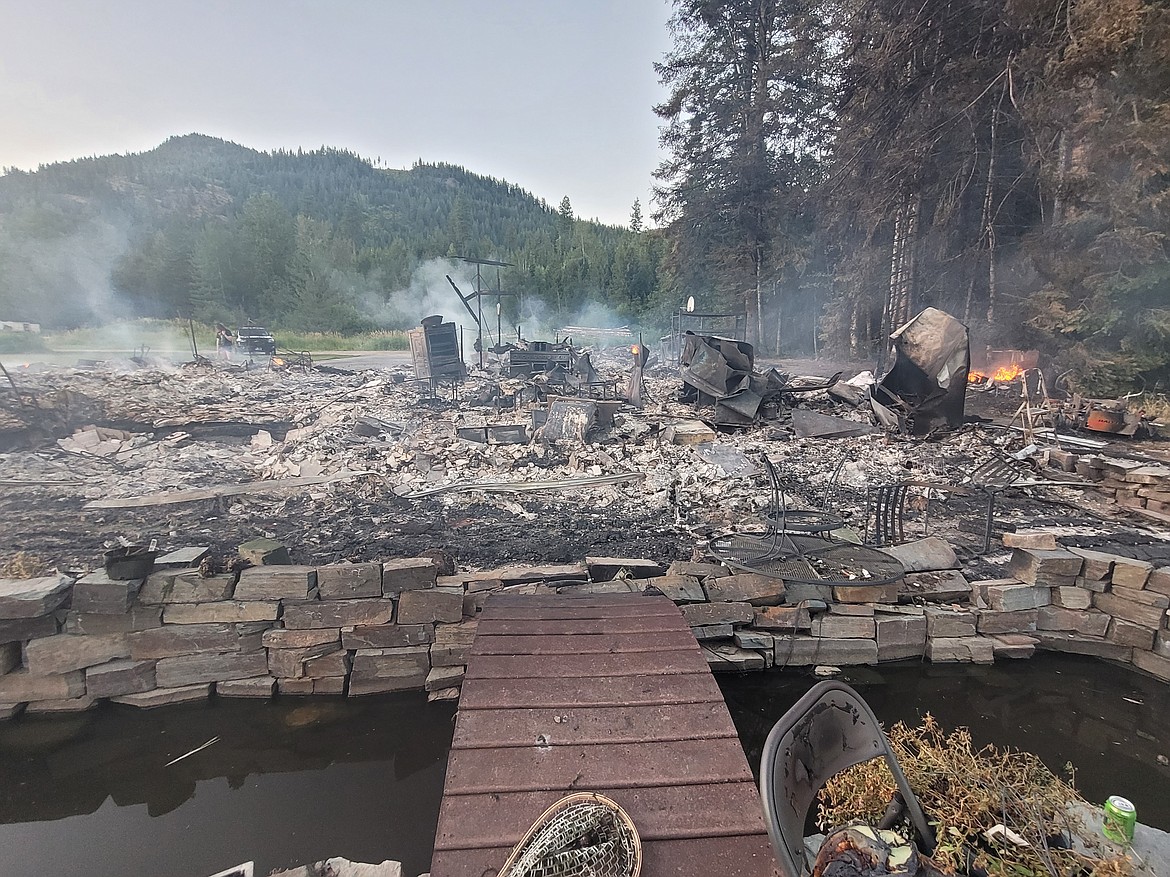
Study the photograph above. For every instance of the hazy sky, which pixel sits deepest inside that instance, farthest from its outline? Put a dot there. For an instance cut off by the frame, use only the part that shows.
(554, 95)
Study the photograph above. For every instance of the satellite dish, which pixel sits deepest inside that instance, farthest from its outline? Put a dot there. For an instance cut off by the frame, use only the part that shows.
(691, 305)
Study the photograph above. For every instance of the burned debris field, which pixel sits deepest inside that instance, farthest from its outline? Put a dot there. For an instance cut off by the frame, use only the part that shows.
(689, 509)
(369, 440)
(538, 458)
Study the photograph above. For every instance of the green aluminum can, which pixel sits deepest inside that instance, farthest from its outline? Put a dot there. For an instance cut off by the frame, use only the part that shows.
(1120, 819)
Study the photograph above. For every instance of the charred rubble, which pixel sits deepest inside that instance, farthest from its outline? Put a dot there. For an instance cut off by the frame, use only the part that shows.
(793, 523)
(555, 451)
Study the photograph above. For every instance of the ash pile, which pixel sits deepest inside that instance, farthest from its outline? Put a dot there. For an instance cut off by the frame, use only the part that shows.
(552, 451)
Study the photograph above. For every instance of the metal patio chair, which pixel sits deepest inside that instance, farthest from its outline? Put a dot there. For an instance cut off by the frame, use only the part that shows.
(797, 545)
(828, 730)
(885, 506)
(783, 520)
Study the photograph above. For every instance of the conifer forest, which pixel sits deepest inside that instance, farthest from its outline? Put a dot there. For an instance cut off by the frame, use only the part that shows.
(831, 167)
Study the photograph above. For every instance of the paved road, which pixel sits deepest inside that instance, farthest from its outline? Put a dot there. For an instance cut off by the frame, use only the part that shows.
(355, 360)
(352, 360)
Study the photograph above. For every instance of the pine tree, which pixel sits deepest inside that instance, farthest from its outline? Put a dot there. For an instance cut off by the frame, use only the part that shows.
(748, 109)
(636, 217)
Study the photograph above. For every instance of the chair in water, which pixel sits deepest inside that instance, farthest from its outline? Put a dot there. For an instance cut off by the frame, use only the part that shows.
(829, 729)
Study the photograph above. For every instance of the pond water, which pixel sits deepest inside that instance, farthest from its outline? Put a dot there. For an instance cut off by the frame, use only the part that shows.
(289, 781)
(298, 780)
(1110, 723)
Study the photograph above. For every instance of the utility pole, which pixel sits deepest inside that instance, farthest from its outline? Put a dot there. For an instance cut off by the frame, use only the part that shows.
(478, 294)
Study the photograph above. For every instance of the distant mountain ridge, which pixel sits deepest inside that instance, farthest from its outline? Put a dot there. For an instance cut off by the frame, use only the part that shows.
(199, 175)
(319, 238)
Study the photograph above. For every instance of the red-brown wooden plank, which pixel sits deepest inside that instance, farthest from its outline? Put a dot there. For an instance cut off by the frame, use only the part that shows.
(665, 662)
(659, 813)
(585, 644)
(558, 693)
(661, 744)
(528, 601)
(571, 627)
(583, 768)
(485, 729)
(744, 856)
(641, 608)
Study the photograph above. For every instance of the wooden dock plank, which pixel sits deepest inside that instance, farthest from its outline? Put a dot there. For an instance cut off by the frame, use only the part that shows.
(584, 643)
(583, 692)
(666, 662)
(570, 627)
(744, 856)
(605, 693)
(594, 767)
(558, 601)
(640, 607)
(659, 812)
(487, 729)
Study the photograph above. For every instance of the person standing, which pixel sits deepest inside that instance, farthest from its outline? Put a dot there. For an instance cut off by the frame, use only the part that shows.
(223, 341)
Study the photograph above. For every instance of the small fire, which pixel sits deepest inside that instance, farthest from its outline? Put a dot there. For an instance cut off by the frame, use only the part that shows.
(634, 350)
(1002, 375)
(277, 362)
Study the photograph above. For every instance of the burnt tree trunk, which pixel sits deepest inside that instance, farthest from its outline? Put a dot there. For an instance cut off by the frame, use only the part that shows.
(899, 298)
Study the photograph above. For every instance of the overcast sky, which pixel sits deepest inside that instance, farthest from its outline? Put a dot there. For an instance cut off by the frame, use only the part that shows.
(554, 95)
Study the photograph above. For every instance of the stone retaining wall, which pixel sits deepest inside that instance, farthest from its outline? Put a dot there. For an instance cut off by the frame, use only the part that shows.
(1142, 487)
(368, 628)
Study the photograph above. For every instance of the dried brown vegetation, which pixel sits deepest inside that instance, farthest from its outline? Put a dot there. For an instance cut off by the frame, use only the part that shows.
(23, 565)
(967, 791)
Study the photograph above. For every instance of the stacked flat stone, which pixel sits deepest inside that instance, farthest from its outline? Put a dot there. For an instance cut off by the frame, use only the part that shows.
(397, 625)
(1130, 483)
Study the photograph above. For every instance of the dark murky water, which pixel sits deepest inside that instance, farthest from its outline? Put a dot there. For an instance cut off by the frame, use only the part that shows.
(294, 781)
(1109, 722)
(290, 781)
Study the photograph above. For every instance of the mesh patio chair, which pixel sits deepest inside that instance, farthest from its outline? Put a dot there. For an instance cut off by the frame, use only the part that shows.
(828, 730)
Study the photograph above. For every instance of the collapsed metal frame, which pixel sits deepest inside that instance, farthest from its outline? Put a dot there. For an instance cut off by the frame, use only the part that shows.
(478, 292)
(798, 541)
(733, 326)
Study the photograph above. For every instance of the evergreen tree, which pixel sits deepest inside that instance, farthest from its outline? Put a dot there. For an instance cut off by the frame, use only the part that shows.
(747, 113)
(636, 217)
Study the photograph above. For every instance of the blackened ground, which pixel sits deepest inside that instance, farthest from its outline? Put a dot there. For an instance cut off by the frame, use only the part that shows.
(358, 523)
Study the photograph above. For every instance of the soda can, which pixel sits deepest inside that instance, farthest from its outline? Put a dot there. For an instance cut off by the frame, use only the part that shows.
(1120, 819)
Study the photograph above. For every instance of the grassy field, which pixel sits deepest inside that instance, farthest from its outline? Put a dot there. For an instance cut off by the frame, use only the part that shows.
(174, 335)
(22, 342)
(386, 340)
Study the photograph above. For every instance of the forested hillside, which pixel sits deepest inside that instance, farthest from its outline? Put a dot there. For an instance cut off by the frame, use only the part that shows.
(316, 240)
(833, 167)
(1006, 160)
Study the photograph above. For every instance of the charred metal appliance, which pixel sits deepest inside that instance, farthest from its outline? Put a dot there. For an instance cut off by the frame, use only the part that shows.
(434, 347)
(926, 388)
(540, 357)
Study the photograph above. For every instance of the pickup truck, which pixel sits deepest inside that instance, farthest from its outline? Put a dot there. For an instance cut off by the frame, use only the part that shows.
(255, 339)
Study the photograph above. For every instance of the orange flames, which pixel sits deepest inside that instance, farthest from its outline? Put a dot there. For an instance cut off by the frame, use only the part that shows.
(1003, 374)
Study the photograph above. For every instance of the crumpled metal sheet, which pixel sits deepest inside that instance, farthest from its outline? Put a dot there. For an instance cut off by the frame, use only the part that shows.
(927, 385)
(811, 424)
(739, 409)
(715, 366)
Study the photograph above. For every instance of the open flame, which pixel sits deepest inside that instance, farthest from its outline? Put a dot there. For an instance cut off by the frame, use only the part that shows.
(1002, 375)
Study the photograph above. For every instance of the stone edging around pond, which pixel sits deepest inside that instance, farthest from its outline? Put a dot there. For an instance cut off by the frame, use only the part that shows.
(398, 625)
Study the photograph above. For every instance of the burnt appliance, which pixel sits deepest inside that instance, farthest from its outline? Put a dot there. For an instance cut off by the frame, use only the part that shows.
(434, 348)
(538, 358)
